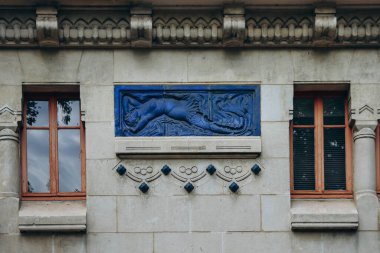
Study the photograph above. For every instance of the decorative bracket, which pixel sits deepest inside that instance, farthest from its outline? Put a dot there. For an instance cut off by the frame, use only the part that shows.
(325, 26)
(233, 26)
(47, 27)
(141, 27)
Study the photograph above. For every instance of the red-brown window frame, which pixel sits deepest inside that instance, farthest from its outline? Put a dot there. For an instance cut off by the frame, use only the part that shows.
(53, 150)
(377, 150)
(319, 192)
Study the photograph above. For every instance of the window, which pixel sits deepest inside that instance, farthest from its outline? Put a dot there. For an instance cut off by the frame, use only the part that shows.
(52, 153)
(320, 146)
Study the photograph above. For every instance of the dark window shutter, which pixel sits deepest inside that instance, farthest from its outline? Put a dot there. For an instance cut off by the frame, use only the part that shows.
(303, 159)
(334, 159)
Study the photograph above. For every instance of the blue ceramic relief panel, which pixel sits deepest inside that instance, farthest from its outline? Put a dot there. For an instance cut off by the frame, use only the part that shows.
(187, 110)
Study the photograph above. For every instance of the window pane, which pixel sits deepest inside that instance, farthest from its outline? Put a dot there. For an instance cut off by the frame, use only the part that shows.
(335, 158)
(303, 159)
(68, 112)
(38, 161)
(69, 160)
(37, 113)
(333, 111)
(303, 113)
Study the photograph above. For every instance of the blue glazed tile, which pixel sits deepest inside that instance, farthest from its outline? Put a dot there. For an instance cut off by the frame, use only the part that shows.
(189, 187)
(187, 110)
(144, 187)
(211, 169)
(121, 170)
(166, 170)
(256, 169)
(234, 187)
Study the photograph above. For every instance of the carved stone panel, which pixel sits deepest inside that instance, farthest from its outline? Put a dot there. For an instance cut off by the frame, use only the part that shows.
(179, 110)
(325, 26)
(233, 27)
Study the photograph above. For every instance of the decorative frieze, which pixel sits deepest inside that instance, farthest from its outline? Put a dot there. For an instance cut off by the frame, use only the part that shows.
(187, 175)
(233, 26)
(187, 31)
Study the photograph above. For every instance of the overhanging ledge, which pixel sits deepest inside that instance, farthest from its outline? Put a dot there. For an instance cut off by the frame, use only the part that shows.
(52, 216)
(189, 146)
(327, 214)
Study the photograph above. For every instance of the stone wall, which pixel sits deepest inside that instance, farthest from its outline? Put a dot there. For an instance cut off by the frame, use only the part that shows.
(211, 218)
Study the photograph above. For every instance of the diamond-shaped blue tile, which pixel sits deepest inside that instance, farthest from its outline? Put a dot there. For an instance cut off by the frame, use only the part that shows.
(189, 187)
(166, 170)
(144, 187)
(256, 169)
(121, 170)
(211, 169)
(234, 187)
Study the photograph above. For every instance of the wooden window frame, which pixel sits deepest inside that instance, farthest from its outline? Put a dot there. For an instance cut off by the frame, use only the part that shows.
(53, 128)
(377, 150)
(320, 192)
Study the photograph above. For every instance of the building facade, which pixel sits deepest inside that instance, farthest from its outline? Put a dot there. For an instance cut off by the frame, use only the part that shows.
(183, 126)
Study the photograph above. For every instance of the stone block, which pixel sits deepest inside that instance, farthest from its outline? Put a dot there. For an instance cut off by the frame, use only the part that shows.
(321, 65)
(276, 68)
(363, 66)
(9, 243)
(96, 67)
(224, 66)
(120, 242)
(368, 241)
(100, 140)
(101, 214)
(9, 215)
(276, 101)
(364, 101)
(225, 213)
(11, 71)
(310, 242)
(162, 66)
(102, 179)
(70, 243)
(273, 179)
(275, 211)
(268, 242)
(153, 214)
(50, 65)
(368, 209)
(10, 95)
(187, 242)
(35, 243)
(339, 242)
(98, 103)
(275, 139)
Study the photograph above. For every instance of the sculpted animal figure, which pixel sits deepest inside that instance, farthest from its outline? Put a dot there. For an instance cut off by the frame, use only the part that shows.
(180, 109)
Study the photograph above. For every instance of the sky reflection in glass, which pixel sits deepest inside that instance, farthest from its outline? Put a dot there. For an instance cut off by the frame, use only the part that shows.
(38, 161)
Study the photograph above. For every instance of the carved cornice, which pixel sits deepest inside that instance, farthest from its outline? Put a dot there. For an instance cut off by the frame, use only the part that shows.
(229, 27)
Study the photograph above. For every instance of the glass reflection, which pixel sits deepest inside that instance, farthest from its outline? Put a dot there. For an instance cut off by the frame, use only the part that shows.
(38, 161)
(333, 111)
(37, 113)
(69, 160)
(68, 112)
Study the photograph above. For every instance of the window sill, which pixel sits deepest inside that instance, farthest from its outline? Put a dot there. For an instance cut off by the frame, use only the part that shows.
(52, 216)
(326, 214)
(193, 146)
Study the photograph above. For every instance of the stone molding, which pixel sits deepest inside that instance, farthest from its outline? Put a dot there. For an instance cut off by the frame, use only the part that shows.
(8, 134)
(233, 27)
(364, 133)
(9, 118)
